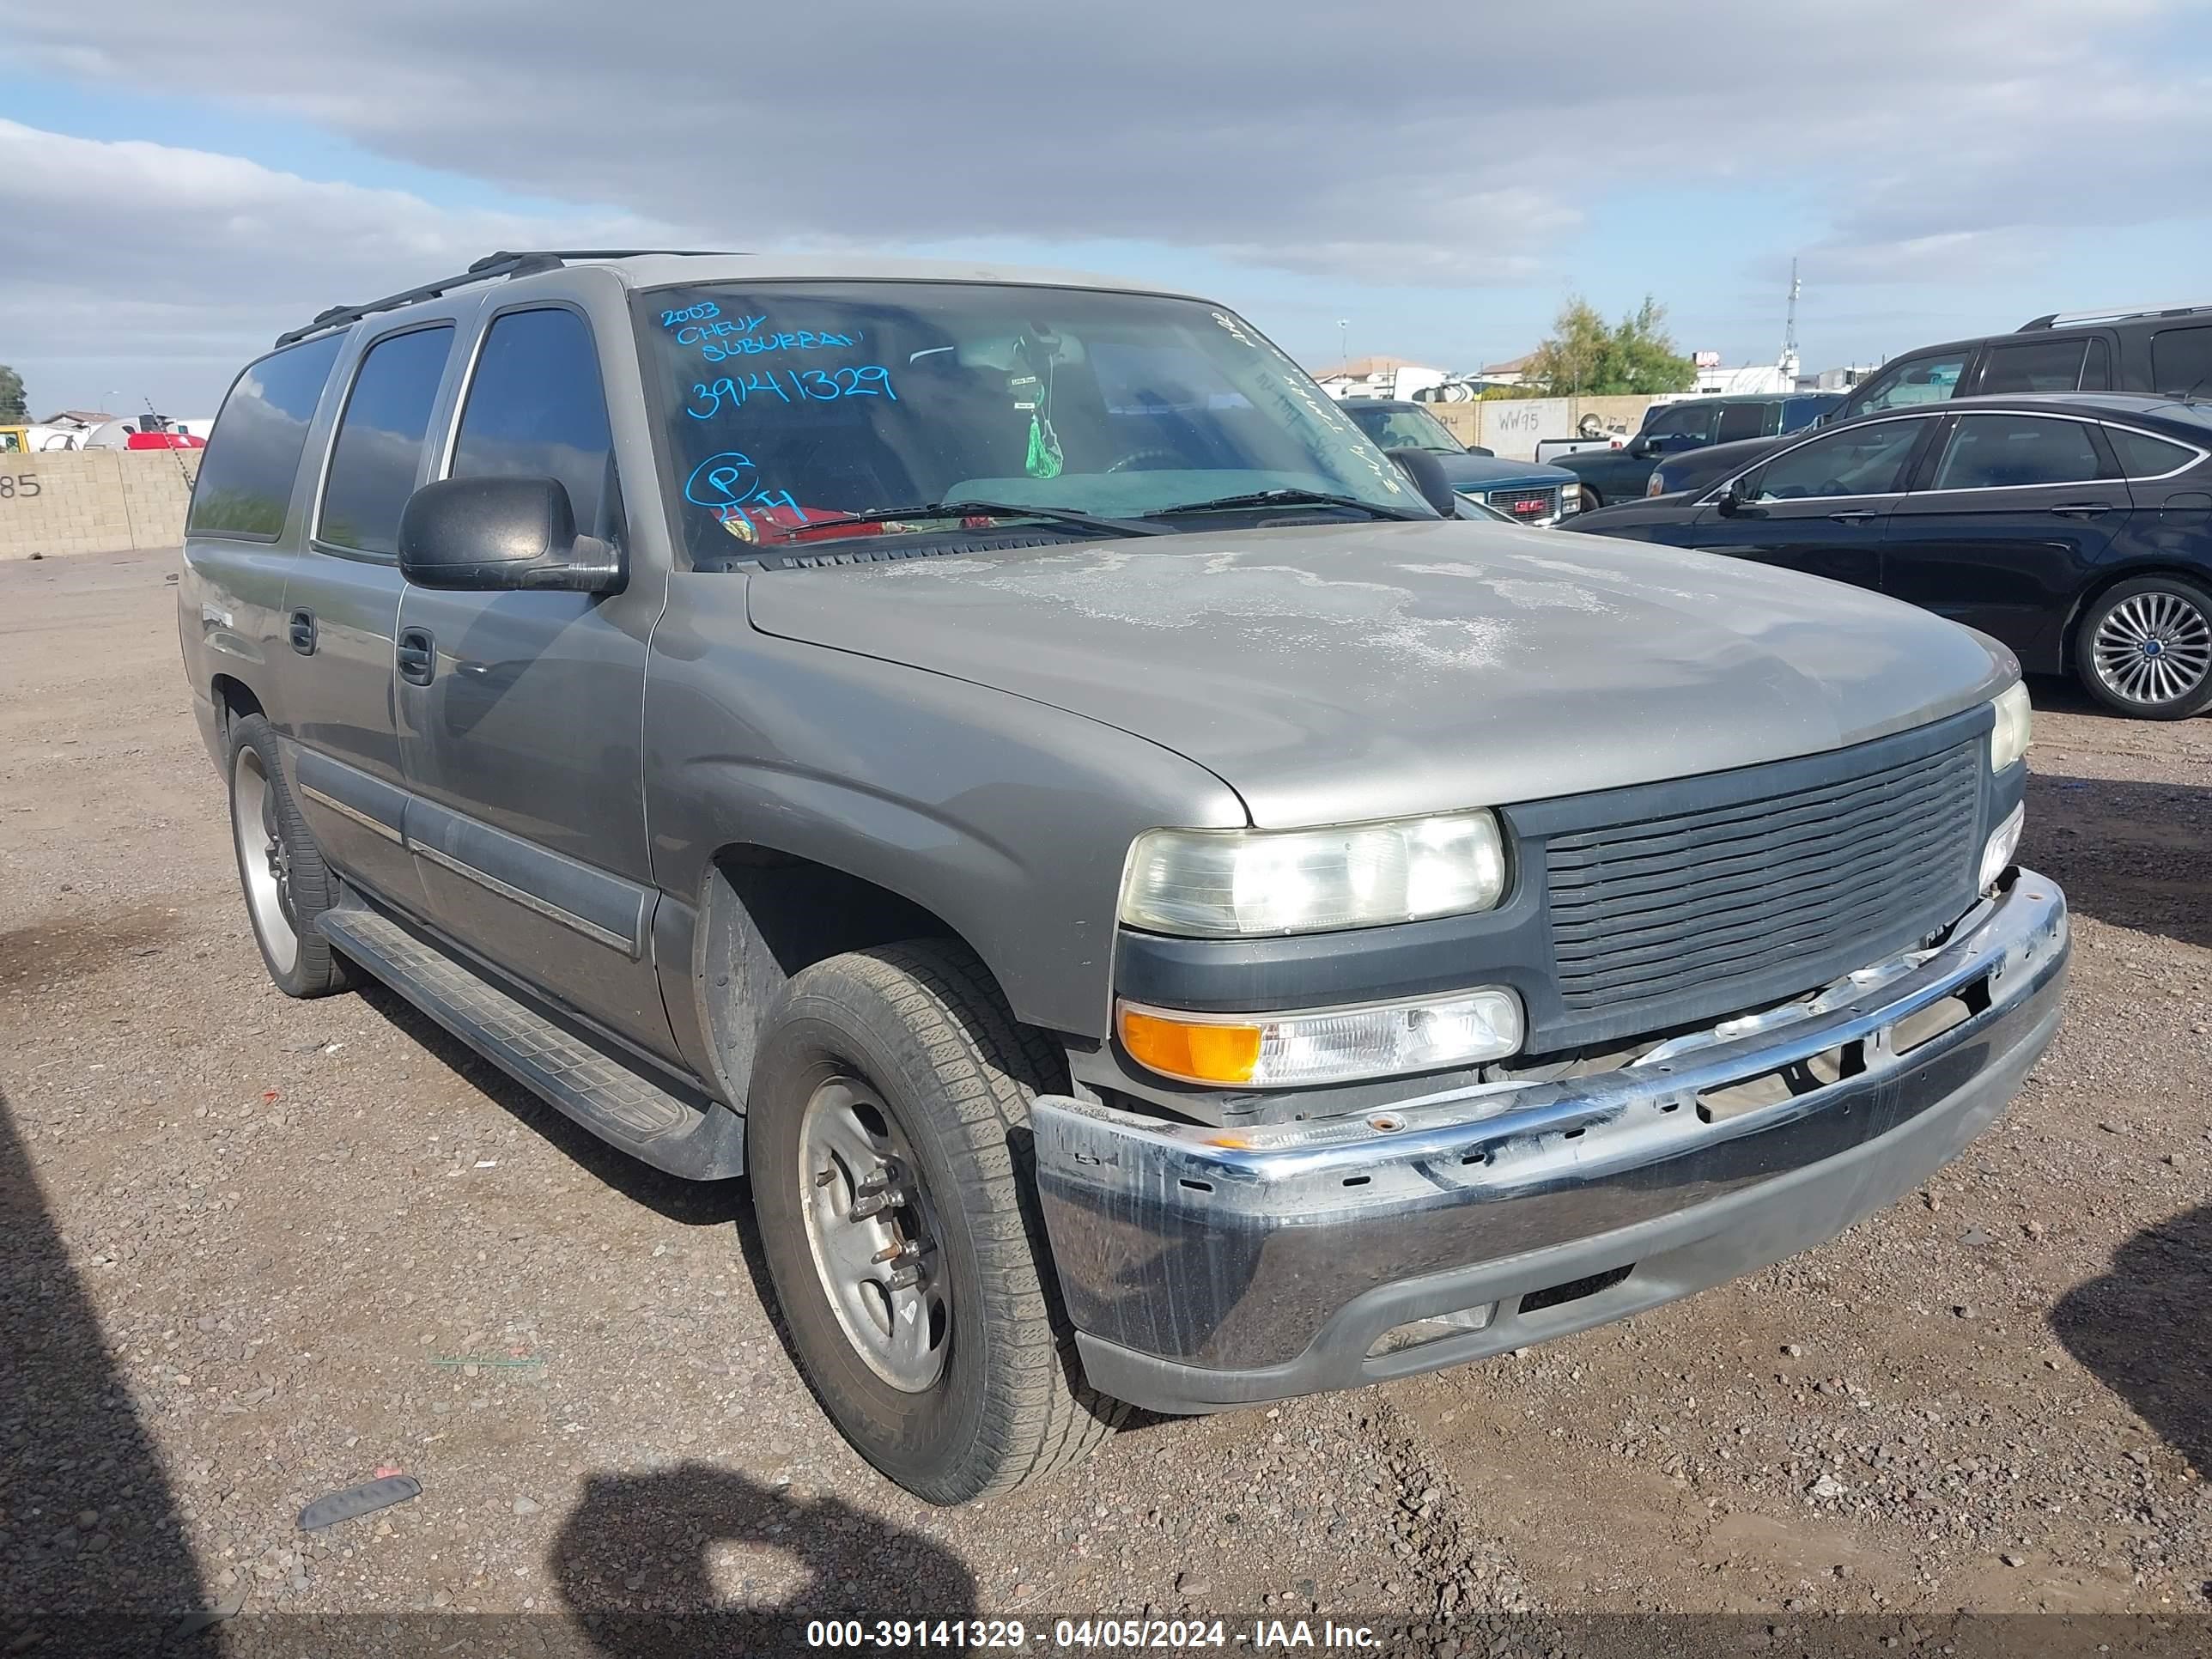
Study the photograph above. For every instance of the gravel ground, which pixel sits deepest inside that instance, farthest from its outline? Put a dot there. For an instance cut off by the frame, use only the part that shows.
(257, 1249)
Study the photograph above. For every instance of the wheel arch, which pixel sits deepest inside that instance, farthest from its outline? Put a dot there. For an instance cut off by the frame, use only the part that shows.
(2107, 580)
(766, 914)
(234, 700)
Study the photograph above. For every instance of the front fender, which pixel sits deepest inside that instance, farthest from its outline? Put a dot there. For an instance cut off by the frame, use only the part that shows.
(1009, 820)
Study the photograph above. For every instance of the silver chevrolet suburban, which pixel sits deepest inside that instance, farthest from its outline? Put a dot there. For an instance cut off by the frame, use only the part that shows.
(1166, 911)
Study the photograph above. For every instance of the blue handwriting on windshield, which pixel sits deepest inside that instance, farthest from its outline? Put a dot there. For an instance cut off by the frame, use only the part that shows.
(748, 343)
(690, 313)
(791, 385)
(729, 483)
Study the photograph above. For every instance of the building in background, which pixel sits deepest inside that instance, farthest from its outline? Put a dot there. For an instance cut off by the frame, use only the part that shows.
(1717, 380)
(1379, 377)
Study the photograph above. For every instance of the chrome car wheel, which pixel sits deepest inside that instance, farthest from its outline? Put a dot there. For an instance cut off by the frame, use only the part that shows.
(2153, 647)
(263, 860)
(871, 1233)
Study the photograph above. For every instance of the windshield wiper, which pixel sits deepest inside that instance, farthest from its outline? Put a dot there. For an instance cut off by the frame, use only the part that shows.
(975, 510)
(1285, 497)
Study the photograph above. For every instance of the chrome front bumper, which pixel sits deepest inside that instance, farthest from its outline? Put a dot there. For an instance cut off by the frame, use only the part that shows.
(1207, 1267)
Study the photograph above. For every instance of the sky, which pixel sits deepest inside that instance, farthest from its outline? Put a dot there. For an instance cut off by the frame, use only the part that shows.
(179, 184)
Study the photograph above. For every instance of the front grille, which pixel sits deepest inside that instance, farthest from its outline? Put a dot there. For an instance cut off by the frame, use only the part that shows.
(1526, 503)
(1707, 910)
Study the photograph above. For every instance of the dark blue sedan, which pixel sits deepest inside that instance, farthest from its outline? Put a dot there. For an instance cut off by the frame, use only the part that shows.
(2076, 527)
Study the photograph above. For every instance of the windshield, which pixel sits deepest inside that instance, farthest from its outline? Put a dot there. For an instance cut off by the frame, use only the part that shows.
(785, 404)
(1405, 428)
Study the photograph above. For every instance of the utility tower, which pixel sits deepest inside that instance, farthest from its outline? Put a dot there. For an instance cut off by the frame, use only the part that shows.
(1789, 327)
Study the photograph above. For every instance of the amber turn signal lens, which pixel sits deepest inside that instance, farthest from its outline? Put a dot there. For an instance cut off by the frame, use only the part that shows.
(1201, 1053)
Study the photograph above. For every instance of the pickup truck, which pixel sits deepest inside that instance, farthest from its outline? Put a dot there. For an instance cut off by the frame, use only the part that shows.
(1162, 911)
(1530, 493)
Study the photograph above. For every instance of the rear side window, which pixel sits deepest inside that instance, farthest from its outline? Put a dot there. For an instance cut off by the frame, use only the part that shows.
(1798, 413)
(1742, 421)
(1688, 423)
(378, 453)
(2142, 456)
(2000, 451)
(1901, 386)
(246, 474)
(536, 408)
(2181, 360)
(2039, 365)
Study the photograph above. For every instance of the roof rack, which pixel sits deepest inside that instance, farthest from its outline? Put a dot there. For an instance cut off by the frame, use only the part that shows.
(2109, 314)
(528, 263)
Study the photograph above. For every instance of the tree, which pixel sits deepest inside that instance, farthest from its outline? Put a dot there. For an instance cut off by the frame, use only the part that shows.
(1583, 356)
(13, 409)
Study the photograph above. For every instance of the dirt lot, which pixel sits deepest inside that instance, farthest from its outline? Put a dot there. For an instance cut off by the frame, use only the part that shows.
(257, 1249)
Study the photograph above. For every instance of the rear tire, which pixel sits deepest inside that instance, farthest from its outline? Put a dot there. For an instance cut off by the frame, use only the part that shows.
(2144, 649)
(286, 883)
(963, 1382)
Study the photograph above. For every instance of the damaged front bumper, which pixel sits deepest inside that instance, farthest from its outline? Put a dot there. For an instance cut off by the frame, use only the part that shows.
(1205, 1268)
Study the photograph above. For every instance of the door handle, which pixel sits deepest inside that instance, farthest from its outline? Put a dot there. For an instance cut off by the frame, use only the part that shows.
(417, 656)
(302, 627)
(1854, 515)
(2083, 509)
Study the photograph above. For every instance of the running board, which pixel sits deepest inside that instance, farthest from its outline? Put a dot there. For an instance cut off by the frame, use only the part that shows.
(704, 1141)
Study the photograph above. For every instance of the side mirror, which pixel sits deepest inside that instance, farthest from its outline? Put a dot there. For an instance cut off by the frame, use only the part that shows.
(1737, 500)
(1426, 473)
(497, 534)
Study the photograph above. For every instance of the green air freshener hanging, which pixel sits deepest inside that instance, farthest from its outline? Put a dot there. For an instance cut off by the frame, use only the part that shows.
(1044, 458)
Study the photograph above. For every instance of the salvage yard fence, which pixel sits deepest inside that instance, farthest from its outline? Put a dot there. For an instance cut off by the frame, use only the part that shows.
(93, 500)
(1512, 427)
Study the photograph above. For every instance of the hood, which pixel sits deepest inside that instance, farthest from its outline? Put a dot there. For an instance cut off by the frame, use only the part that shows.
(1468, 471)
(1333, 673)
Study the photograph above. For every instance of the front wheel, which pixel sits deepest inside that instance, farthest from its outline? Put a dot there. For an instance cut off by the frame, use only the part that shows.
(2144, 649)
(888, 1140)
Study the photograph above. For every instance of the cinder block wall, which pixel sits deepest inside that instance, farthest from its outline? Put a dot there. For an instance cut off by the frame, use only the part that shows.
(1511, 426)
(93, 500)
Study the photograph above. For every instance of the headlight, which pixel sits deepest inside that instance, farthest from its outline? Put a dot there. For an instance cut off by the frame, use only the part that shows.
(1652, 486)
(1232, 884)
(2008, 737)
(1326, 1045)
(1570, 500)
(2002, 844)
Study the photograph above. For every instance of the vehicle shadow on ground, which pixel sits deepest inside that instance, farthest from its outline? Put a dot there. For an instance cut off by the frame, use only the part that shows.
(2142, 1329)
(634, 1561)
(94, 1563)
(687, 1203)
(2137, 855)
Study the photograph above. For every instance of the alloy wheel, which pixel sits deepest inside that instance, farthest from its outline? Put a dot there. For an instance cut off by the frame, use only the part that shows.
(2153, 647)
(264, 862)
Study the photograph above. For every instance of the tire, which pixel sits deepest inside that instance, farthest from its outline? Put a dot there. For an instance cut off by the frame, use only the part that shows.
(1591, 500)
(286, 883)
(2143, 648)
(980, 1389)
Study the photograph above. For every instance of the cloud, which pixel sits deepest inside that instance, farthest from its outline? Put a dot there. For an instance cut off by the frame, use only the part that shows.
(1304, 135)
(160, 268)
(1435, 143)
